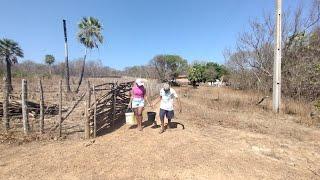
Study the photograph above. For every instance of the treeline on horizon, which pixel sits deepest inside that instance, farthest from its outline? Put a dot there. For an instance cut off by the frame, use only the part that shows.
(161, 67)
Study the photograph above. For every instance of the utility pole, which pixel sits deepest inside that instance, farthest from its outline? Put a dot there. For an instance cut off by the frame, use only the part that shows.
(277, 59)
(67, 75)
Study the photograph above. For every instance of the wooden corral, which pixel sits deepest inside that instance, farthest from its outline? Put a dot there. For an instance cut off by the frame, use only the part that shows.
(104, 106)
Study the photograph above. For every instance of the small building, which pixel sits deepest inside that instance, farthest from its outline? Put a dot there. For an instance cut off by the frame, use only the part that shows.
(182, 80)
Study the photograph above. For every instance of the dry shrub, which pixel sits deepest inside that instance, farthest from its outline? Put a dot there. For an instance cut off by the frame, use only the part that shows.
(301, 110)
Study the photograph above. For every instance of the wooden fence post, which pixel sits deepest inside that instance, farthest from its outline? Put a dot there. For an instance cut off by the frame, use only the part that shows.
(114, 102)
(5, 107)
(60, 108)
(24, 97)
(41, 107)
(95, 112)
(87, 120)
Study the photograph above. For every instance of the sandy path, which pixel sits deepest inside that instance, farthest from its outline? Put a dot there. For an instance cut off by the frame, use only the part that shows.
(212, 152)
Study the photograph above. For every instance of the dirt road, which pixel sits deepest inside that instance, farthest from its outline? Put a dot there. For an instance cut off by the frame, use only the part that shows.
(208, 148)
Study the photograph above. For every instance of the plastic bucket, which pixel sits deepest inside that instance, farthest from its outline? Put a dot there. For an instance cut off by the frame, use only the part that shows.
(151, 116)
(130, 119)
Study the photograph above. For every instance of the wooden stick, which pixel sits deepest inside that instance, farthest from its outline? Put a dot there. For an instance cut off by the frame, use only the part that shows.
(24, 97)
(5, 106)
(114, 104)
(60, 108)
(41, 107)
(94, 113)
(87, 120)
(74, 106)
(262, 100)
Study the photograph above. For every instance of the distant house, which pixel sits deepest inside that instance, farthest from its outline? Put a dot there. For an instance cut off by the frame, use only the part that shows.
(182, 80)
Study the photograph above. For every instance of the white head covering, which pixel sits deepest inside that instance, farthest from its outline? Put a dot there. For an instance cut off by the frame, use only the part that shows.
(139, 82)
(166, 86)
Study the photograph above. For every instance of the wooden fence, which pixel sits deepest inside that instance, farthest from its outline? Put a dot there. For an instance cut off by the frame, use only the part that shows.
(104, 106)
(107, 109)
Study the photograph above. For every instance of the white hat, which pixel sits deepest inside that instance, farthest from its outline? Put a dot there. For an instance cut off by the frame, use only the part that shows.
(139, 82)
(166, 86)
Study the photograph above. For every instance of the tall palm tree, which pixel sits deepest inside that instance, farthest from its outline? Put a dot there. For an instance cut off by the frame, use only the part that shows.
(90, 36)
(9, 53)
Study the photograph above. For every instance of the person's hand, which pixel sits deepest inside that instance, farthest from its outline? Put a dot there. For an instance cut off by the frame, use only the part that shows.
(129, 105)
(151, 105)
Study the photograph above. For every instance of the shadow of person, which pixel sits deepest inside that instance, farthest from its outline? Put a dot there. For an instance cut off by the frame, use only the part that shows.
(133, 126)
(174, 125)
(149, 123)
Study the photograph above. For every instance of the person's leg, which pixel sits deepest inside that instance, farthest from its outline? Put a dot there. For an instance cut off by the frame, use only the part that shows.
(139, 112)
(161, 115)
(170, 115)
(135, 110)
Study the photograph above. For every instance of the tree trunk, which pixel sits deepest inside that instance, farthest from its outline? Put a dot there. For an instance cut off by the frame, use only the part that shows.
(8, 74)
(67, 74)
(82, 71)
(50, 70)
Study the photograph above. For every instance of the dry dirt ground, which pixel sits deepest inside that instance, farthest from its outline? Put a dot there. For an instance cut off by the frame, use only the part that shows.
(225, 137)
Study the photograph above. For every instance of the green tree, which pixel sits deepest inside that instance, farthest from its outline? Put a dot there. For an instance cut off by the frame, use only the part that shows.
(169, 67)
(210, 74)
(9, 53)
(196, 74)
(49, 60)
(90, 36)
(205, 72)
(220, 69)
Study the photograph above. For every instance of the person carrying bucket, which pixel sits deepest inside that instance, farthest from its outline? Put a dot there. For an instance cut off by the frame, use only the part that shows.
(138, 97)
(167, 96)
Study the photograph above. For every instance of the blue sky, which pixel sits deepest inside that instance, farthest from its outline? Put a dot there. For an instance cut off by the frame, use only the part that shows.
(134, 30)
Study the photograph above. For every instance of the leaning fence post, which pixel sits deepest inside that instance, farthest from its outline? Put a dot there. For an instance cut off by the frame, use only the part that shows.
(94, 113)
(5, 107)
(41, 107)
(87, 120)
(60, 108)
(24, 98)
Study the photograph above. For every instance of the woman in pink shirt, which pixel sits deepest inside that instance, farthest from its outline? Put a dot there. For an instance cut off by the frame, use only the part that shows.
(138, 97)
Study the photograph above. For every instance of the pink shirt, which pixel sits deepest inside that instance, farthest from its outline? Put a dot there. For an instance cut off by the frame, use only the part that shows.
(138, 92)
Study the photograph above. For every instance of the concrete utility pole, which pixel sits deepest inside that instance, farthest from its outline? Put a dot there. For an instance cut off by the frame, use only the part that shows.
(277, 59)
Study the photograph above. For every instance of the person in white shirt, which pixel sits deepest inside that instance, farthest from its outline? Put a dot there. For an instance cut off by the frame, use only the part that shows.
(167, 97)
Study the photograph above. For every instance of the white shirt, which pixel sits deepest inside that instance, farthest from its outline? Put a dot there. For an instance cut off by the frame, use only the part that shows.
(167, 99)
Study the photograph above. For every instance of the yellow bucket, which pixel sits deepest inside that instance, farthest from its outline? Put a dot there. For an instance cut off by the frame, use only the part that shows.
(130, 119)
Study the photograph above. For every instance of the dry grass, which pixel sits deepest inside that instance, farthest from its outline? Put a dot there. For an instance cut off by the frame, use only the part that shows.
(239, 110)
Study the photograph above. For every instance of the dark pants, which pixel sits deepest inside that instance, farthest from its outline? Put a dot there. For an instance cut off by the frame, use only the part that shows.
(165, 113)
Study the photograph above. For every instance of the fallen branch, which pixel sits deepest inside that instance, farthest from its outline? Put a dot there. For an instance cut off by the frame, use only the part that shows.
(266, 97)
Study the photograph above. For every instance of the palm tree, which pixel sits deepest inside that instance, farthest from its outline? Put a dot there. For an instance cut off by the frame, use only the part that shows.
(9, 52)
(90, 36)
(49, 59)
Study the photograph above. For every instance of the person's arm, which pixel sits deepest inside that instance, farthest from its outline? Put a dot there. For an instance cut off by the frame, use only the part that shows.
(147, 99)
(180, 107)
(177, 99)
(130, 96)
(156, 100)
